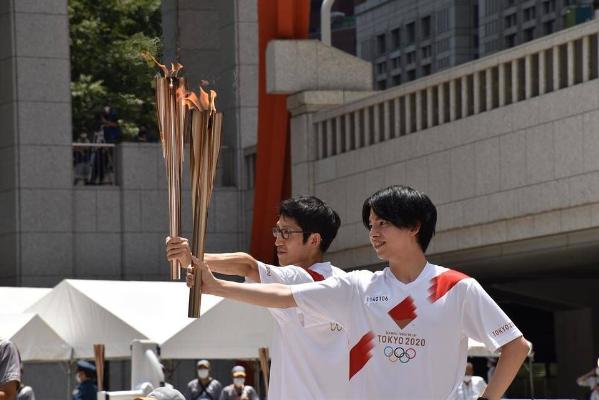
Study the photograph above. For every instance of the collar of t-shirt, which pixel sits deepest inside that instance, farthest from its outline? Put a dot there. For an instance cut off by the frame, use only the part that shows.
(319, 271)
(424, 276)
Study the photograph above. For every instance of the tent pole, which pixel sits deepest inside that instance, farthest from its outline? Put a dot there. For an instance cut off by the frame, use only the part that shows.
(69, 374)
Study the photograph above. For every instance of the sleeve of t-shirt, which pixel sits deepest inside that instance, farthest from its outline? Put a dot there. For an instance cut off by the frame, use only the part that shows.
(330, 299)
(10, 366)
(484, 321)
(289, 275)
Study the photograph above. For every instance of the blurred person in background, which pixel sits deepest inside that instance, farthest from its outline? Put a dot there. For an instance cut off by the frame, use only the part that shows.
(204, 386)
(238, 390)
(10, 370)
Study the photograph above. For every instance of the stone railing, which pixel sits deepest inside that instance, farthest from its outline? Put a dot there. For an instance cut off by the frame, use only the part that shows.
(548, 64)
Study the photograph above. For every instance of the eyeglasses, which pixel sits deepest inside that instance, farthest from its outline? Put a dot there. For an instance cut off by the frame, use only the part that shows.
(284, 233)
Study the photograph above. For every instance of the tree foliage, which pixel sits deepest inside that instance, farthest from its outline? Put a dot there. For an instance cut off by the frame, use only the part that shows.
(107, 39)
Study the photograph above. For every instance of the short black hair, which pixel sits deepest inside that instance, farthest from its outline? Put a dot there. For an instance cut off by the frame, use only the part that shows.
(313, 216)
(404, 207)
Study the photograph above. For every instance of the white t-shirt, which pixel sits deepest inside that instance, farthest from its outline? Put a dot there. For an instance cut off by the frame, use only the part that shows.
(309, 354)
(472, 390)
(408, 341)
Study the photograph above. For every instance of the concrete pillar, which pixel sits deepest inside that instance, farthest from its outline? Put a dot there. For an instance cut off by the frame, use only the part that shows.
(376, 134)
(408, 113)
(515, 83)
(542, 73)
(586, 59)
(429, 107)
(321, 140)
(340, 135)
(453, 100)
(397, 119)
(419, 110)
(477, 96)
(441, 98)
(367, 135)
(556, 68)
(357, 130)
(387, 120)
(330, 137)
(501, 85)
(571, 73)
(464, 96)
(36, 178)
(348, 132)
(489, 89)
(528, 76)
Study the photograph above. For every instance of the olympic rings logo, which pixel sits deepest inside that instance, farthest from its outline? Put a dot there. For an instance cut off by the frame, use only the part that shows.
(336, 327)
(399, 354)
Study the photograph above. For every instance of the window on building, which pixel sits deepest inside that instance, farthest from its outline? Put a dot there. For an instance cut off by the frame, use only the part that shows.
(425, 26)
(510, 40)
(381, 44)
(443, 45)
(411, 75)
(511, 20)
(427, 51)
(529, 34)
(549, 27)
(443, 63)
(529, 13)
(426, 70)
(381, 68)
(443, 21)
(411, 57)
(382, 84)
(395, 38)
(395, 62)
(396, 80)
(509, 3)
(548, 6)
(411, 32)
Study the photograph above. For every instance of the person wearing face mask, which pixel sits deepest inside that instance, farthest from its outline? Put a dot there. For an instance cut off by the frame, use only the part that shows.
(471, 387)
(204, 386)
(239, 390)
(85, 376)
(591, 380)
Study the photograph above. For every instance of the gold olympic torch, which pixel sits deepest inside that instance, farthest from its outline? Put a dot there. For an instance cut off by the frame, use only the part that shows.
(172, 112)
(186, 115)
(204, 147)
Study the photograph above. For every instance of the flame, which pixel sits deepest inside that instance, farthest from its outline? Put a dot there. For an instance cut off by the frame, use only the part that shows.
(168, 73)
(203, 102)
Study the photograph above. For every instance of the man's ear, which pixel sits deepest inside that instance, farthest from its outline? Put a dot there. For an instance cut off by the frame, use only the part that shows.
(315, 239)
(415, 229)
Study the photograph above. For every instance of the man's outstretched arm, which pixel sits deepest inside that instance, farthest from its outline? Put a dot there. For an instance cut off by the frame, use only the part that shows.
(273, 295)
(241, 264)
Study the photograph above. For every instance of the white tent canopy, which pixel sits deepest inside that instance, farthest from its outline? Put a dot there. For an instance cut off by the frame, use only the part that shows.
(85, 312)
(228, 330)
(17, 299)
(35, 340)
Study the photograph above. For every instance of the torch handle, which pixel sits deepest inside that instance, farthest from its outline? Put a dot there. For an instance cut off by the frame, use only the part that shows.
(195, 295)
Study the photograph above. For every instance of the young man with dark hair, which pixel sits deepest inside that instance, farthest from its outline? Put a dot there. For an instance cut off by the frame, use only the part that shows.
(408, 325)
(306, 351)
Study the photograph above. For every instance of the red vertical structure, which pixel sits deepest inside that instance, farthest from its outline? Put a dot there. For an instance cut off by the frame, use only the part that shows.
(277, 19)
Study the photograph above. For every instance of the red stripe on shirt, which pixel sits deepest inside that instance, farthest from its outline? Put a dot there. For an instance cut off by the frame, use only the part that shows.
(360, 354)
(315, 275)
(404, 312)
(442, 283)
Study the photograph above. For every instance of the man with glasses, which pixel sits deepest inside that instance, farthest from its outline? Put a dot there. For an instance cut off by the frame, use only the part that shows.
(309, 354)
